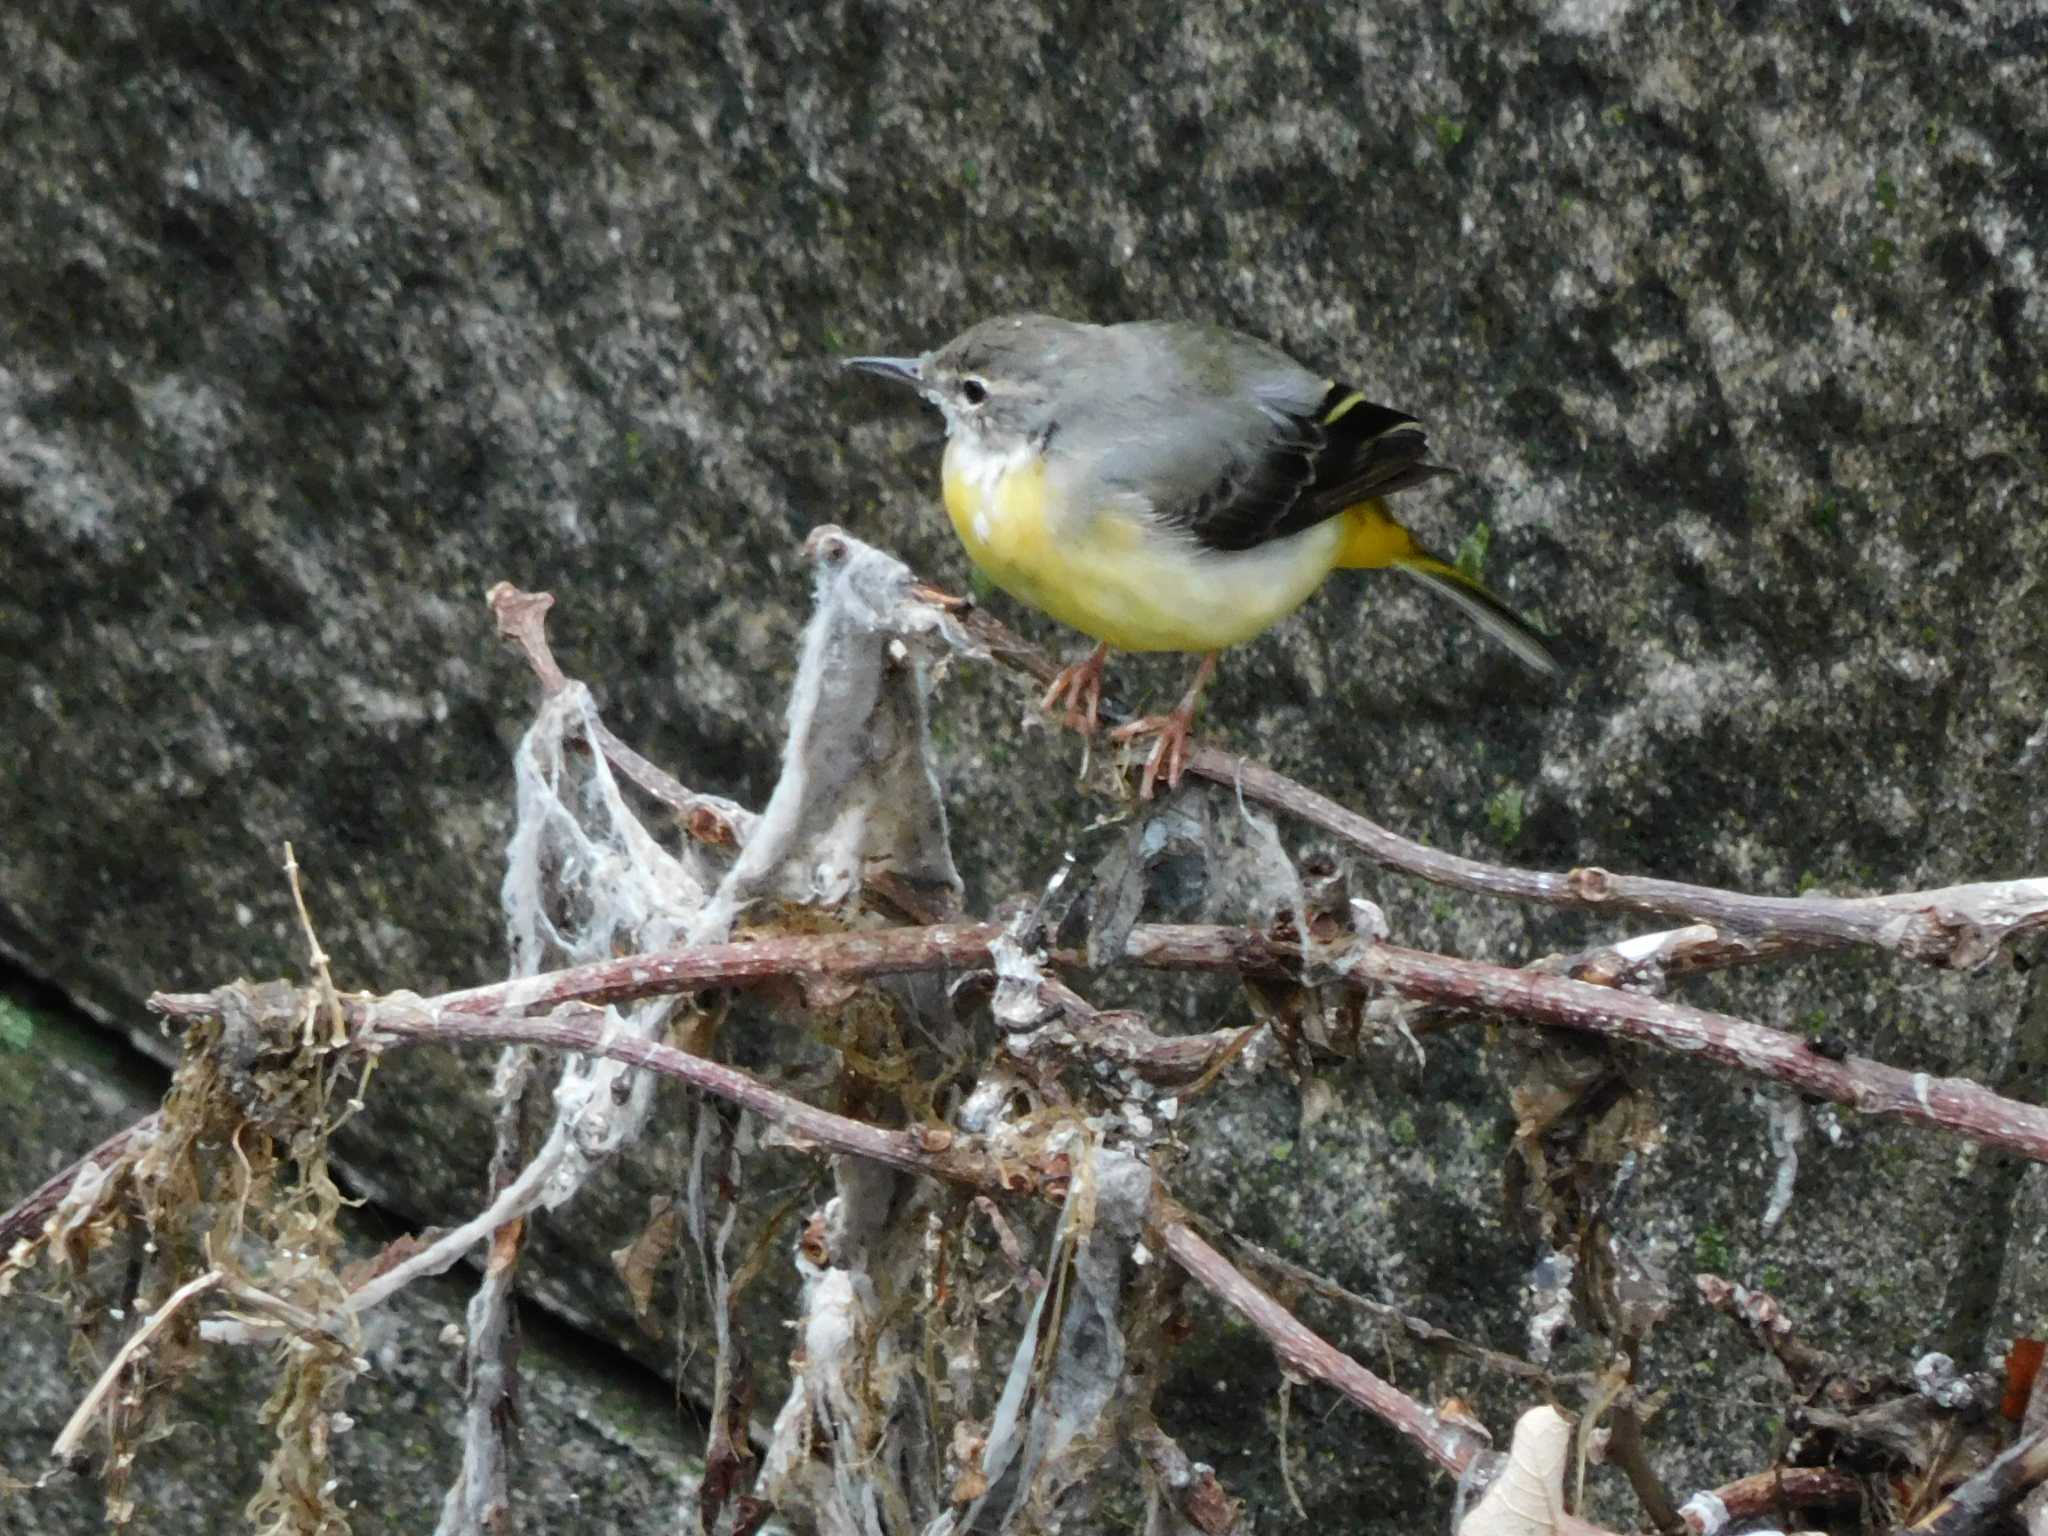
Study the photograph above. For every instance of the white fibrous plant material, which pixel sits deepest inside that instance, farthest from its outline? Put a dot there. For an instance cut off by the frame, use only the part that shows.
(857, 794)
(847, 1446)
(1047, 1432)
(850, 1450)
(1271, 883)
(586, 881)
(1020, 973)
(1548, 1301)
(1787, 1127)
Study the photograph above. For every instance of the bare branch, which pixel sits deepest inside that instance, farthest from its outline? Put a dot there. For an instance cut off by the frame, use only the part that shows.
(1764, 1493)
(1870, 1087)
(25, 1218)
(1202, 1503)
(1959, 927)
(1766, 1320)
(940, 1153)
(522, 619)
(1306, 1354)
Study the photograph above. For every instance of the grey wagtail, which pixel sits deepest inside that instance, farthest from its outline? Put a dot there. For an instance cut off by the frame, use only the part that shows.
(1163, 486)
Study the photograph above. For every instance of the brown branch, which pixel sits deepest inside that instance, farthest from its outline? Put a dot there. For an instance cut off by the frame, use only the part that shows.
(1627, 1449)
(1960, 927)
(504, 1012)
(1760, 1313)
(1957, 927)
(1870, 1087)
(25, 1218)
(522, 619)
(943, 1154)
(1779, 1490)
(1202, 1501)
(1123, 1038)
(1307, 1354)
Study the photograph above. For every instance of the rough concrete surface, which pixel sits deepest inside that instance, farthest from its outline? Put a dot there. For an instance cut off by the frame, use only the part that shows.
(316, 321)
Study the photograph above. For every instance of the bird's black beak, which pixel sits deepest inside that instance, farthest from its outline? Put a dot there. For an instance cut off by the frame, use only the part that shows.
(904, 370)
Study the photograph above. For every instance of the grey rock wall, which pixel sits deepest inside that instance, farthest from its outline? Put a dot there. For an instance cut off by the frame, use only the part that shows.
(315, 321)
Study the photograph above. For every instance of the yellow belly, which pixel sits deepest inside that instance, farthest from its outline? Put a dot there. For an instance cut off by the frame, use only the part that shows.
(1118, 579)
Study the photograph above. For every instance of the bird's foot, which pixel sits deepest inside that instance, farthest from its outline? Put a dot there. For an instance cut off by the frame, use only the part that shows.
(1170, 753)
(1076, 693)
(1169, 757)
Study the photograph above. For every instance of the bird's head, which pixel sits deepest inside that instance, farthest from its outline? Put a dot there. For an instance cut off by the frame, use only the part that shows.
(998, 381)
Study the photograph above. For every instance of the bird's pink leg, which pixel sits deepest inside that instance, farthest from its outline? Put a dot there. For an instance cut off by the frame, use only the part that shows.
(1076, 692)
(1170, 753)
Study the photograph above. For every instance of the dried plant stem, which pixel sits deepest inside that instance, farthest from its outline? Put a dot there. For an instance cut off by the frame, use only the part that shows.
(73, 1434)
(1764, 1493)
(1959, 927)
(329, 998)
(1870, 1087)
(1307, 1354)
(522, 619)
(25, 1218)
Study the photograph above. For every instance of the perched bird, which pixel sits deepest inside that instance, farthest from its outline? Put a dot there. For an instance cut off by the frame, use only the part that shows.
(1164, 486)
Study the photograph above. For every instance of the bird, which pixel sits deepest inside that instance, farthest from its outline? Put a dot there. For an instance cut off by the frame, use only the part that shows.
(1166, 485)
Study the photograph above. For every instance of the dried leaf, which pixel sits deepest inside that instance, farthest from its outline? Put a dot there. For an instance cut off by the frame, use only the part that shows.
(638, 1260)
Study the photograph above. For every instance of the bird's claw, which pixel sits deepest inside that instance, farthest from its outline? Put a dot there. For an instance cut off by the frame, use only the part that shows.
(1075, 694)
(1169, 759)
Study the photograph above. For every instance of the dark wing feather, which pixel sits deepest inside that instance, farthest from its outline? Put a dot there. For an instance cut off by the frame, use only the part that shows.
(1314, 467)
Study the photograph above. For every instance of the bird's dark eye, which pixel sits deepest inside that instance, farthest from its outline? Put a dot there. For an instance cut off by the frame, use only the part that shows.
(973, 391)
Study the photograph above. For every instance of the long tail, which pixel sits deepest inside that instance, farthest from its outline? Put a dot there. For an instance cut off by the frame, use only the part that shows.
(1376, 541)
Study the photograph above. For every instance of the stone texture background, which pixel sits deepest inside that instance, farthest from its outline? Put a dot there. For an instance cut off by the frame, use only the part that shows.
(316, 321)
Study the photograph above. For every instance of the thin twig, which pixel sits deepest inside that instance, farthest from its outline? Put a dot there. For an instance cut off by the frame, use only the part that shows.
(1202, 1501)
(1764, 1493)
(1958, 927)
(958, 1159)
(25, 1218)
(1760, 1312)
(74, 1431)
(1123, 1038)
(1417, 1329)
(1627, 1449)
(1306, 1354)
(522, 619)
(1870, 1087)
